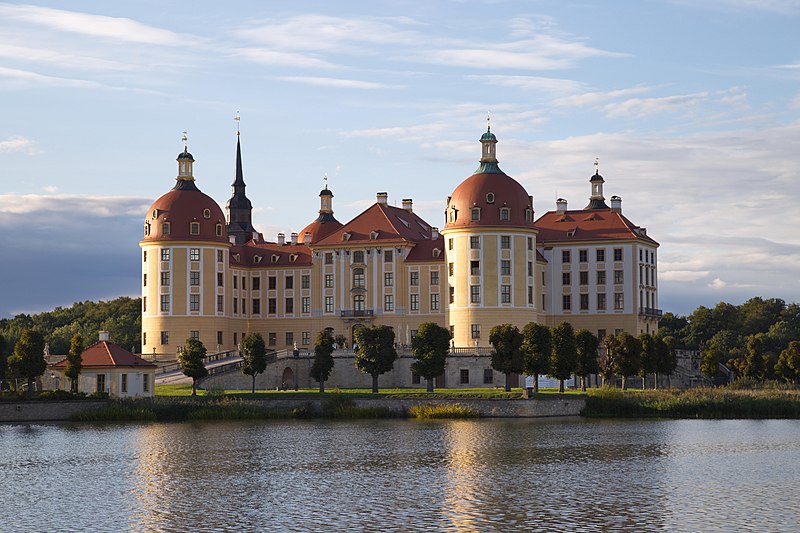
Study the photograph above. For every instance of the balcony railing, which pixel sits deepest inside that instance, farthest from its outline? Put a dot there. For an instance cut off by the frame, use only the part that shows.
(346, 313)
(649, 311)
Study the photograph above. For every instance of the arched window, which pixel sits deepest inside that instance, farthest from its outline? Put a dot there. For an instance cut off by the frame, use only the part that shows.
(219, 230)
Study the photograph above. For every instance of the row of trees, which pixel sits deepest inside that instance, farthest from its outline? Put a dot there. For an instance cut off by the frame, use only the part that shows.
(27, 361)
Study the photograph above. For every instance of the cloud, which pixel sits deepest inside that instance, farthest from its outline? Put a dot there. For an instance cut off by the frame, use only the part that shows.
(59, 58)
(334, 82)
(785, 7)
(717, 284)
(56, 205)
(682, 275)
(288, 59)
(641, 107)
(532, 83)
(14, 78)
(19, 144)
(598, 97)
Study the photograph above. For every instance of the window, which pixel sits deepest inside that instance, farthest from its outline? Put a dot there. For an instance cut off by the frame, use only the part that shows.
(505, 242)
(434, 277)
(505, 213)
(530, 294)
(219, 279)
(475, 242)
(165, 302)
(530, 243)
(305, 281)
(144, 256)
(123, 383)
(165, 278)
(617, 254)
(328, 281)
(566, 256)
(272, 339)
(584, 278)
(144, 280)
(619, 300)
(305, 304)
(358, 277)
(452, 295)
(414, 279)
(475, 214)
(450, 268)
(618, 277)
(601, 255)
(566, 302)
(195, 335)
(415, 302)
(528, 215)
(144, 304)
(194, 228)
(235, 308)
(165, 337)
(475, 294)
(194, 254)
(234, 338)
(256, 284)
(489, 197)
(244, 283)
(219, 256)
(435, 302)
(475, 268)
(219, 338)
(289, 282)
(328, 258)
(505, 267)
(358, 302)
(488, 376)
(566, 278)
(505, 294)
(256, 306)
(640, 254)
(145, 383)
(449, 245)
(601, 277)
(415, 379)
(530, 268)
(289, 338)
(219, 230)
(358, 257)
(329, 304)
(463, 376)
(583, 256)
(101, 383)
(220, 307)
(584, 302)
(272, 283)
(452, 331)
(194, 302)
(272, 306)
(305, 338)
(387, 256)
(289, 305)
(388, 302)
(235, 282)
(194, 278)
(165, 254)
(165, 228)
(475, 331)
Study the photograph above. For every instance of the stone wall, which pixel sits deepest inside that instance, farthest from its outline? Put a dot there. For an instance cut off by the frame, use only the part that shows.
(44, 411)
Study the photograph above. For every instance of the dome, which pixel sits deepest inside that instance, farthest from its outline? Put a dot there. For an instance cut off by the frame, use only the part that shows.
(491, 193)
(318, 230)
(185, 155)
(180, 208)
(488, 136)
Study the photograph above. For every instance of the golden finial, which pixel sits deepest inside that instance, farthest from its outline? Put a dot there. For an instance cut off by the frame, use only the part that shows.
(488, 121)
(185, 139)
(325, 180)
(597, 165)
(237, 118)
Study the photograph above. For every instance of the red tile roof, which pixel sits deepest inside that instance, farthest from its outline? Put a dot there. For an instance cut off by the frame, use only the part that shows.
(392, 224)
(476, 190)
(103, 354)
(270, 254)
(588, 225)
(424, 251)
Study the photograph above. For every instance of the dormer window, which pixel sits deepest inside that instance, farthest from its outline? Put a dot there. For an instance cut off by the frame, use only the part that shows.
(219, 230)
(453, 214)
(489, 197)
(206, 213)
(373, 235)
(475, 214)
(437, 252)
(146, 229)
(345, 236)
(194, 228)
(257, 259)
(155, 213)
(165, 228)
(292, 258)
(529, 215)
(275, 258)
(505, 213)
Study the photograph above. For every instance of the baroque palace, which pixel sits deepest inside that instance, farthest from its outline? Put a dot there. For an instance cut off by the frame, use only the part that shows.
(209, 274)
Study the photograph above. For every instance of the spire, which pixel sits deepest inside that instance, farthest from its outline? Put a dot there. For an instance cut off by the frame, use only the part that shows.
(488, 151)
(597, 200)
(325, 203)
(239, 209)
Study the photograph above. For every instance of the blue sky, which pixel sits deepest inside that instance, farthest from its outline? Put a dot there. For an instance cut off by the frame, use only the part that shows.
(693, 109)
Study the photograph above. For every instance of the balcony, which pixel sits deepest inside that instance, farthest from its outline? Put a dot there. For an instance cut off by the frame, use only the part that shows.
(651, 312)
(349, 313)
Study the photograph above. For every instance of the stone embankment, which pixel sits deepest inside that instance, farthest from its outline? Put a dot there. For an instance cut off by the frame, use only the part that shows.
(45, 411)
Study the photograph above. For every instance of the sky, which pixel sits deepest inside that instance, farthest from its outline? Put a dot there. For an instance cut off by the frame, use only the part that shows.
(692, 108)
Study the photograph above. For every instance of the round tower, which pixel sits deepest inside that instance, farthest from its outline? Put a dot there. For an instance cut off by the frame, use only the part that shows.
(490, 250)
(184, 268)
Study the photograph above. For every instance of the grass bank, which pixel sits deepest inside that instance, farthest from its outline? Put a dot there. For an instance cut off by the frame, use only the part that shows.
(705, 403)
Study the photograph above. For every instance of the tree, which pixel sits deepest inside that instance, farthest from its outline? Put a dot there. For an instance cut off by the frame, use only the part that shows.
(608, 362)
(254, 356)
(648, 357)
(74, 362)
(430, 347)
(536, 348)
(719, 349)
(564, 355)
(191, 360)
(666, 358)
(3, 361)
(28, 360)
(375, 354)
(628, 360)
(507, 355)
(323, 359)
(586, 345)
(755, 357)
(788, 366)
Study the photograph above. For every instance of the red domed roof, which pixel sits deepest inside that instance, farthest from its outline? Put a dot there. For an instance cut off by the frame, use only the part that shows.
(318, 230)
(180, 207)
(491, 192)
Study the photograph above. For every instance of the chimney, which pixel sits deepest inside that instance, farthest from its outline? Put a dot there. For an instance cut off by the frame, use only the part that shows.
(104, 336)
(434, 233)
(281, 238)
(307, 237)
(294, 238)
(382, 198)
(561, 206)
(616, 204)
(407, 203)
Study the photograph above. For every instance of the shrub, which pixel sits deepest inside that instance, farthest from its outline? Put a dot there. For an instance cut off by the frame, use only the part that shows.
(443, 411)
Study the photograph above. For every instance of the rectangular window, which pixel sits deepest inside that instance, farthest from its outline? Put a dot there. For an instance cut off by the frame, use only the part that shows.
(144, 304)
(601, 277)
(194, 254)
(566, 302)
(305, 281)
(165, 254)
(601, 301)
(601, 255)
(435, 301)
(566, 278)
(566, 256)
(505, 213)
(290, 305)
(272, 283)
(234, 339)
(289, 338)
(289, 282)
(583, 256)
(220, 256)
(244, 283)
(305, 338)
(256, 306)
(328, 258)
(475, 294)
(449, 244)
(530, 295)
(505, 294)
(387, 256)
(584, 302)
(450, 268)
(640, 254)
(618, 277)
(414, 279)
(415, 379)
(219, 279)
(194, 302)
(530, 243)
(475, 331)
(144, 256)
(272, 339)
(388, 279)
(144, 280)
(619, 300)
(452, 295)
(415, 302)
(488, 376)
(434, 277)
(530, 268)
(463, 376)
(358, 302)
(475, 214)
(219, 339)
(475, 268)
(194, 278)
(358, 277)
(165, 278)
(358, 257)
(475, 242)
(306, 304)
(584, 278)
(505, 267)
(505, 242)
(235, 282)
(123, 383)
(220, 307)
(388, 302)
(235, 306)
(328, 281)
(272, 306)
(195, 335)
(165, 302)
(329, 304)
(101, 383)
(145, 382)
(165, 337)
(617, 254)
(256, 284)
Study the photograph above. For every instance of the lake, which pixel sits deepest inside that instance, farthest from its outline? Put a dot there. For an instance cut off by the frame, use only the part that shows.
(403, 475)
